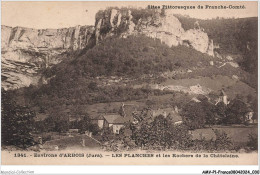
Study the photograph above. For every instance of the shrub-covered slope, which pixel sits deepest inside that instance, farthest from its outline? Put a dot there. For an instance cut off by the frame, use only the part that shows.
(234, 36)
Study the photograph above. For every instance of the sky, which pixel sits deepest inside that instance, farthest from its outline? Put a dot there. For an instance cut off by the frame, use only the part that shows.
(42, 15)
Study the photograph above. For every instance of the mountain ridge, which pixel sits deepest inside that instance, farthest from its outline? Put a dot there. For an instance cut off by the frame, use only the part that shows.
(26, 52)
(41, 48)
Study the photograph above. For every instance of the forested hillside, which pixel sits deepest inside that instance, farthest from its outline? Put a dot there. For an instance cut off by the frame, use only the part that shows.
(234, 36)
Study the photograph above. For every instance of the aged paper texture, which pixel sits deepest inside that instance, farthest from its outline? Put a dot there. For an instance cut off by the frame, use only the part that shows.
(129, 83)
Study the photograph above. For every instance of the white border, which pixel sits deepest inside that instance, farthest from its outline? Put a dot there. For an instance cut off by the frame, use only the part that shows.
(131, 169)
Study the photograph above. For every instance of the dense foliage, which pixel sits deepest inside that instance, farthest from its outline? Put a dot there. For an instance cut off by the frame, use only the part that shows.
(234, 36)
(133, 56)
(160, 134)
(16, 123)
(198, 115)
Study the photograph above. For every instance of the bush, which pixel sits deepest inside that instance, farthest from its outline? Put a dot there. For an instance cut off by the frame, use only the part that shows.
(222, 142)
(161, 134)
(194, 115)
(252, 142)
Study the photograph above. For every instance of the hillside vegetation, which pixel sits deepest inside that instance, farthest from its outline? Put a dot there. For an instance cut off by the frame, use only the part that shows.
(131, 56)
(234, 36)
(74, 81)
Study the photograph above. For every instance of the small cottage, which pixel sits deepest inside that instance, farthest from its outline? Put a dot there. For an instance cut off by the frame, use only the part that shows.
(167, 112)
(249, 117)
(118, 121)
(113, 120)
(222, 98)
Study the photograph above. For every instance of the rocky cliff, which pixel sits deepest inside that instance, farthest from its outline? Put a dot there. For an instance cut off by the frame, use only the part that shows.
(160, 24)
(26, 51)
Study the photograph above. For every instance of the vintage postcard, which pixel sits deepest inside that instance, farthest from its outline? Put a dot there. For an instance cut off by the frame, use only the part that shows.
(129, 83)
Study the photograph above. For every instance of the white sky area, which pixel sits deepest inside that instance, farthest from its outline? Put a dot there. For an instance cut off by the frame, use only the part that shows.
(69, 14)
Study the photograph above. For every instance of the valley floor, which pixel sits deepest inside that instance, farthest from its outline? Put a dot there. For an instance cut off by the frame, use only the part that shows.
(237, 133)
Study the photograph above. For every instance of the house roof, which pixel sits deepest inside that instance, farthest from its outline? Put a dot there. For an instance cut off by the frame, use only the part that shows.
(126, 115)
(159, 111)
(111, 118)
(117, 119)
(175, 117)
(122, 120)
(97, 117)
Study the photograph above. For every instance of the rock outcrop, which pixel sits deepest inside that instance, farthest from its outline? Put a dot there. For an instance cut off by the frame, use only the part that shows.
(67, 38)
(160, 25)
(26, 51)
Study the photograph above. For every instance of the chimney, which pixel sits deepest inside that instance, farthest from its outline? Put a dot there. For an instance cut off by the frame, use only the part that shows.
(123, 110)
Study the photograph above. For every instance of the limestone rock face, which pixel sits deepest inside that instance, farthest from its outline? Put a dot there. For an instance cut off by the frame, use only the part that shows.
(167, 28)
(163, 26)
(197, 39)
(66, 38)
(26, 51)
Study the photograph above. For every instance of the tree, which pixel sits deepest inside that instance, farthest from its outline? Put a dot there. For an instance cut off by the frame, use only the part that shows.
(84, 124)
(93, 86)
(210, 111)
(194, 115)
(252, 142)
(160, 134)
(61, 125)
(236, 112)
(222, 142)
(49, 124)
(141, 134)
(94, 129)
(17, 123)
(220, 112)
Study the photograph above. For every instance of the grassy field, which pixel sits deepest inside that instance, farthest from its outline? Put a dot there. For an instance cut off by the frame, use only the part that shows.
(232, 87)
(237, 134)
(73, 142)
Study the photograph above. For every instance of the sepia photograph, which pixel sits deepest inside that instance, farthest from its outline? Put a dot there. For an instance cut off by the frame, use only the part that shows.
(129, 83)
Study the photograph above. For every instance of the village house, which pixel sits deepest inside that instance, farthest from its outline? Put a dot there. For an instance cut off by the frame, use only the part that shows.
(249, 117)
(116, 121)
(222, 98)
(173, 114)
